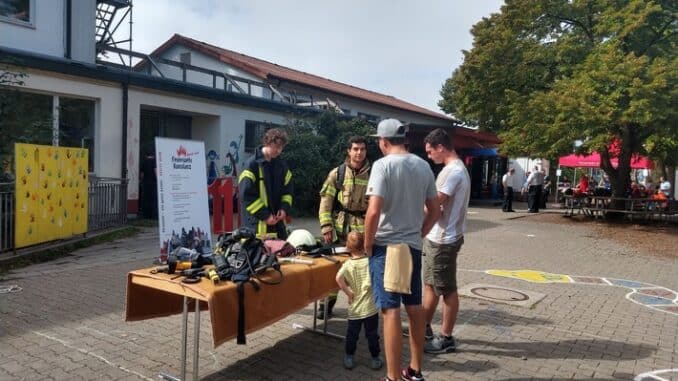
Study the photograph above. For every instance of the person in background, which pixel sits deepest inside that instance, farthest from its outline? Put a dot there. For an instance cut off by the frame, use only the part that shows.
(665, 186)
(7, 175)
(582, 188)
(266, 188)
(546, 191)
(535, 184)
(342, 206)
(399, 213)
(507, 182)
(353, 279)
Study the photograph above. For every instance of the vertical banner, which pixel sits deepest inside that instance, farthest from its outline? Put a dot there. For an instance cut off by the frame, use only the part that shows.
(51, 193)
(183, 211)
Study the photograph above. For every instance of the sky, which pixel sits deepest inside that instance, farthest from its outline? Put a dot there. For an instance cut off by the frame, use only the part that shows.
(406, 49)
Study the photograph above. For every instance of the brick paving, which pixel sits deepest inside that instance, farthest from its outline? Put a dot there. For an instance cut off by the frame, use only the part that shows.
(67, 321)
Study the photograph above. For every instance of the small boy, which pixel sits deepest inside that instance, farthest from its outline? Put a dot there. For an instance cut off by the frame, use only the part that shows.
(354, 279)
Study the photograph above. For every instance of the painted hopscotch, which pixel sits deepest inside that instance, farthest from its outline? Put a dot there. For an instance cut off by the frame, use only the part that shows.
(646, 294)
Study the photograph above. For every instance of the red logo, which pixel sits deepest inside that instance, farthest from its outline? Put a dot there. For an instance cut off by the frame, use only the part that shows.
(182, 151)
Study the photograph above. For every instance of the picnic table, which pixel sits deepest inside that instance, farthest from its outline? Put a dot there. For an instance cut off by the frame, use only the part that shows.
(600, 206)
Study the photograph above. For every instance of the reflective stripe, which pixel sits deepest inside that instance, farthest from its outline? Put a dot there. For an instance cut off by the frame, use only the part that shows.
(287, 198)
(325, 218)
(247, 174)
(262, 188)
(288, 177)
(255, 206)
(361, 182)
(328, 190)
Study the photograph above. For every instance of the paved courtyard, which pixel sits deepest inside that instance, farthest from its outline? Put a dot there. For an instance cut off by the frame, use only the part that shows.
(604, 316)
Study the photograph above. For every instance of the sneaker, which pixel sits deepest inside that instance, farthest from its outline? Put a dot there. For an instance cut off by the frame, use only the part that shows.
(376, 363)
(440, 344)
(408, 374)
(427, 336)
(348, 362)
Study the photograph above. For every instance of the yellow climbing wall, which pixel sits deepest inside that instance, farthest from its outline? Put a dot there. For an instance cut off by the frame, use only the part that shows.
(51, 193)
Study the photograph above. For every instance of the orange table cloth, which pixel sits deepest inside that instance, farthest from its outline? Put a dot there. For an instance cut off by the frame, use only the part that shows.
(157, 295)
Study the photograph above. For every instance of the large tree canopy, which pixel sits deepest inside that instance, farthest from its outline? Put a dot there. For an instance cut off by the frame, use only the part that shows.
(543, 74)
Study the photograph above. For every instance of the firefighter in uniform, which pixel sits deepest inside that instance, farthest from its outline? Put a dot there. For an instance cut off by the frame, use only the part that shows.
(343, 203)
(265, 188)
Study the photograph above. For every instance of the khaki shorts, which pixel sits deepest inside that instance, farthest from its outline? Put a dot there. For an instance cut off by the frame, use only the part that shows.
(440, 265)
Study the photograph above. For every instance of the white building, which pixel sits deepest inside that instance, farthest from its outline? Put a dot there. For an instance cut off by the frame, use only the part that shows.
(185, 89)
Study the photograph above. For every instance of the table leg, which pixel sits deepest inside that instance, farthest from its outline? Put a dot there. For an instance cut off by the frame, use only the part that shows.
(184, 333)
(315, 329)
(196, 339)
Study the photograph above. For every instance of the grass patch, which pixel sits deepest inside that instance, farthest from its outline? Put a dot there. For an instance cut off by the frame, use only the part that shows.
(143, 222)
(64, 250)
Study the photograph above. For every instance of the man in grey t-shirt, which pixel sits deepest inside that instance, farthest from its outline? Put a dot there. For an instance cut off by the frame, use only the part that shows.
(400, 185)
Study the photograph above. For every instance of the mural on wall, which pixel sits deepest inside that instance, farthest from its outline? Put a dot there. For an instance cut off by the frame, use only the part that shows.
(51, 193)
(212, 174)
(232, 157)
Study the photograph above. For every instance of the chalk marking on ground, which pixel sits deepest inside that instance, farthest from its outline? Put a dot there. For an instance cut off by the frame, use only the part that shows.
(91, 354)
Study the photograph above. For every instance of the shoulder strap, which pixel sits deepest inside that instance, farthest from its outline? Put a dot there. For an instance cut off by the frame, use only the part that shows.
(341, 174)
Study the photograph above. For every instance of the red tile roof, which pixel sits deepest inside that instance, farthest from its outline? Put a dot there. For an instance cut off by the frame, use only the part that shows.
(267, 70)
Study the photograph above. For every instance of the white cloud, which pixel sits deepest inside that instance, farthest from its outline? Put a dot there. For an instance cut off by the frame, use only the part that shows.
(401, 48)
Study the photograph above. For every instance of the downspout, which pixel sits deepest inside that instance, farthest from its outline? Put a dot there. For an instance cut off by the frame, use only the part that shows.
(69, 26)
(125, 90)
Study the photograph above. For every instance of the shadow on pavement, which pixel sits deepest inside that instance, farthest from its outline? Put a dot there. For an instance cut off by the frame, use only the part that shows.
(564, 349)
(494, 317)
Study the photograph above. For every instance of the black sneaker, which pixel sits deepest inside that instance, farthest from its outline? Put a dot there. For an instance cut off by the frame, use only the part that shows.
(427, 336)
(408, 374)
(440, 344)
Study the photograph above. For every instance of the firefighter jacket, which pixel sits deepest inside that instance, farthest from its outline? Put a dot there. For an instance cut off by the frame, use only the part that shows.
(344, 212)
(265, 187)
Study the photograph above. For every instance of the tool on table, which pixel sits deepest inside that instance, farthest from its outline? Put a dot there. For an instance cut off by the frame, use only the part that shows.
(295, 260)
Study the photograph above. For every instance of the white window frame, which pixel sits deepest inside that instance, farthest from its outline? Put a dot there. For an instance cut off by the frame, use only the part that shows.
(31, 20)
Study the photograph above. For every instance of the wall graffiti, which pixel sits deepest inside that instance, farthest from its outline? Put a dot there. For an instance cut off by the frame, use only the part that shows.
(232, 157)
(212, 174)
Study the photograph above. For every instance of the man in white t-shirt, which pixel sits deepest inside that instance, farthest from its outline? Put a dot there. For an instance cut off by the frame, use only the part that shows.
(507, 183)
(443, 242)
(665, 186)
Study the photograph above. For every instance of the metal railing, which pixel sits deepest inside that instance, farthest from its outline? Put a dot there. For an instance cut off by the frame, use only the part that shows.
(107, 203)
(107, 207)
(6, 216)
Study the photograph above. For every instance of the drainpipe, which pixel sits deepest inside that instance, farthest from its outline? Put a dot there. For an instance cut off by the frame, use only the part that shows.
(69, 27)
(123, 167)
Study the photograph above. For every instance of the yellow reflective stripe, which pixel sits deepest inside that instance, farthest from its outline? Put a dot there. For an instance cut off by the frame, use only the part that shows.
(325, 218)
(287, 198)
(361, 182)
(358, 228)
(328, 190)
(262, 187)
(247, 174)
(288, 177)
(255, 206)
(261, 229)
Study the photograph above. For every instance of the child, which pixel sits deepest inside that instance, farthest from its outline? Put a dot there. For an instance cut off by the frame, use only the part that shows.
(354, 279)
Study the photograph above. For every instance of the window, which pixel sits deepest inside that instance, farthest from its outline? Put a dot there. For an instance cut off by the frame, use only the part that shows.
(76, 125)
(254, 133)
(24, 118)
(29, 118)
(368, 117)
(18, 11)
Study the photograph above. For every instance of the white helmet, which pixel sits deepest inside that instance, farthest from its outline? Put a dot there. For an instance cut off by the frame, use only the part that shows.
(301, 237)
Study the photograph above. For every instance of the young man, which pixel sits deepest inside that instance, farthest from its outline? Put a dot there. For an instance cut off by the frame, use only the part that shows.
(507, 182)
(266, 188)
(394, 216)
(342, 213)
(443, 242)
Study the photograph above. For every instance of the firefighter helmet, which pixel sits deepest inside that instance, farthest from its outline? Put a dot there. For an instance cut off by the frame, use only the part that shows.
(301, 237)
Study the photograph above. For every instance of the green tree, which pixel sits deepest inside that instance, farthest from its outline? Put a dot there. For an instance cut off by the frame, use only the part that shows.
(543, 74)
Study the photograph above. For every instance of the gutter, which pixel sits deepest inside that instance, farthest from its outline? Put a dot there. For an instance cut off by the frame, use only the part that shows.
(69, 27)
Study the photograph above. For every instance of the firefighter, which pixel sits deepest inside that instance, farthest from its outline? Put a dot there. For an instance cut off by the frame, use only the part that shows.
(266, 187)
(343, 202)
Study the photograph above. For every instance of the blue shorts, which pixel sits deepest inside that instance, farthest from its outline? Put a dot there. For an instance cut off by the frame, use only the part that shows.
(384, 299)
